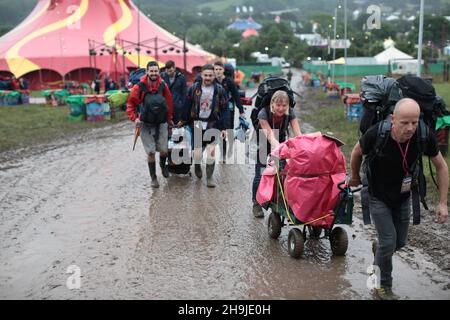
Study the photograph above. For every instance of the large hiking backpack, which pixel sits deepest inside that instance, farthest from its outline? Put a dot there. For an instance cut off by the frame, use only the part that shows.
(379, 95)
(264, 94)
(154, 106)
(422, 91)
(135, 76)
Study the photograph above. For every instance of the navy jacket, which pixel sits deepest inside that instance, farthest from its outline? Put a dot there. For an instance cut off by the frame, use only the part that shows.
(178, 90)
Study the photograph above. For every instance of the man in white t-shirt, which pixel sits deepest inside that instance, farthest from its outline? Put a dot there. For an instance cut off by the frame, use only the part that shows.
(206, 105)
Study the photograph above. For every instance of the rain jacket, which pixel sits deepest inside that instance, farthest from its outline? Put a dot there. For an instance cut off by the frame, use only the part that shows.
(136, 96)
(178, 90)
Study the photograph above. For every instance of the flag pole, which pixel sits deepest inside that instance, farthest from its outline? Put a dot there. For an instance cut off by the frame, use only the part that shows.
(419, 49)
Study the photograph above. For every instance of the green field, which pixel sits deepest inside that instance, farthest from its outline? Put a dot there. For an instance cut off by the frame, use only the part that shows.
(219, 6)
(27, 125)
(443, 89)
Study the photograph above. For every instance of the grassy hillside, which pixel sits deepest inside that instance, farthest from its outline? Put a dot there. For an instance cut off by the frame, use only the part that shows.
(222, 5)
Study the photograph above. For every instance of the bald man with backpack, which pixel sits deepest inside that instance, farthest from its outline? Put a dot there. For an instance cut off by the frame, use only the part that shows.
(392, 165)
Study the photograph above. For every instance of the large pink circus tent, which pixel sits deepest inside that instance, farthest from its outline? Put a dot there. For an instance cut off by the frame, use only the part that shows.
(79, 39)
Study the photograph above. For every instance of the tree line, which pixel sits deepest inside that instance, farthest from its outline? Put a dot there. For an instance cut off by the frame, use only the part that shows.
(207, 27)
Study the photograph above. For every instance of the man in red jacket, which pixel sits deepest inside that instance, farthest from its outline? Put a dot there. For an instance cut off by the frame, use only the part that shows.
(156, 113)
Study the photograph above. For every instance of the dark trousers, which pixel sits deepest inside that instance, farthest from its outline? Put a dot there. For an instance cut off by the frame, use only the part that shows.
(392, 228)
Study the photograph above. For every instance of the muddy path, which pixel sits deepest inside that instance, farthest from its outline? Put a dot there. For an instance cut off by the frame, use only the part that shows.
(88, 203)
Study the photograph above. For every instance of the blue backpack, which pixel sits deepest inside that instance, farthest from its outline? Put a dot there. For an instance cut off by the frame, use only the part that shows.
(135, 76)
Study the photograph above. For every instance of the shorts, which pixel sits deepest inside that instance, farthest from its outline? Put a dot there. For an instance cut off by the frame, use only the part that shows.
(155, 138)
(205, 140)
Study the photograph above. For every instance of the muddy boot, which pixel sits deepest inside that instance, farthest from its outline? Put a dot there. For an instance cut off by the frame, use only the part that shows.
(209, 176)
(257, 210)
(385, 293)
(163, 165)
(152, 169)
(198, 171)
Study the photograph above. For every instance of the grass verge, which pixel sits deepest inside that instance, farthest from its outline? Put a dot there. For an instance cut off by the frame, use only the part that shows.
(27, 125)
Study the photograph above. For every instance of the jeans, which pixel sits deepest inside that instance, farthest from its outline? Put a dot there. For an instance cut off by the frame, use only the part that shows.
(392, 228)
(259, 168)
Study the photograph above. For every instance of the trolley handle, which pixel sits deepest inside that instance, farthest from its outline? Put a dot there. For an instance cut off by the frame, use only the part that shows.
(357, 189)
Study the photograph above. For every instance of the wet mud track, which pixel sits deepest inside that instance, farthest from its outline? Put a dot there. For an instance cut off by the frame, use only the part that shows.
(89, 203)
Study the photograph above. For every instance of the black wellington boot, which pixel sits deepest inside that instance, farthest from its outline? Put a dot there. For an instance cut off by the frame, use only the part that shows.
(209, 176)
(152, 169)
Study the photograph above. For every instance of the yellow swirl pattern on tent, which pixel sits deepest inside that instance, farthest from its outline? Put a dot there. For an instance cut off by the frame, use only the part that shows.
(109, 36)
(19, 65)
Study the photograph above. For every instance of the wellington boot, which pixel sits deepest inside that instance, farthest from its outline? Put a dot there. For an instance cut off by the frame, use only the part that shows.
(198, 171)
(209, 176)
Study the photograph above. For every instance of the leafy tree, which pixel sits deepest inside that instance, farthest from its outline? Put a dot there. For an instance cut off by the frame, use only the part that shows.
(436, 30)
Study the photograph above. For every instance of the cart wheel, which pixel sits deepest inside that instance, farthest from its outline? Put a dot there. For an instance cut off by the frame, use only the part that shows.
(314, 232)
(295, 243)
(339, 241)
(274, 225)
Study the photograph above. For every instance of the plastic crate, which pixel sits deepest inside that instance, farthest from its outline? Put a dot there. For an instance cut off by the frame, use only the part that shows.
(106, 111)
(316, 83)
(12, 98)
(76, 105)
(94, 111)
(354, 111)
(25, 98)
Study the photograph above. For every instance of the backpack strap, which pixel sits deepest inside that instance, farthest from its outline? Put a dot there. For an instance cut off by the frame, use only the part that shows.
(419, 186)
(284, 124)
(161, 87)
(384, 131)
(142, 88)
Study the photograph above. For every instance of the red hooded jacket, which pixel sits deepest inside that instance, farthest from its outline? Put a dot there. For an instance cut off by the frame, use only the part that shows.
(135, 97)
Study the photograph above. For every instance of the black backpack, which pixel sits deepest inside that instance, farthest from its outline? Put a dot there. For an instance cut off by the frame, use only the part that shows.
(264, 94)
(422, 91)
(154, 106)
(379, 94)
